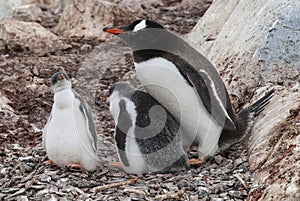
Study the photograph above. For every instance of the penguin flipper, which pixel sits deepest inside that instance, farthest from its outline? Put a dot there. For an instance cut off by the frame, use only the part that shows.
(45, 131)
(86, 111)
(207, 92)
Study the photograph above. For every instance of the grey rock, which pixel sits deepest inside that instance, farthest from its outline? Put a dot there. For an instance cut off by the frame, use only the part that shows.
(28, 37)
(235, 194)
(218, 159)
(87, 19)
(255, 45)
(202, 192)
(19, 192)
(22, 198)
(45, 178)
(61, 183)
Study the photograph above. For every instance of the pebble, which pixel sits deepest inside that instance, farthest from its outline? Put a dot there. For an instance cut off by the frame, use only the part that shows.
(22, 198)
(218, 159)
(19, 192)
(235, 194)
(26, 158)
(61, 183)
(3, 171)
(202, 192)
(200, 183)
(52, 198)
(45, 178)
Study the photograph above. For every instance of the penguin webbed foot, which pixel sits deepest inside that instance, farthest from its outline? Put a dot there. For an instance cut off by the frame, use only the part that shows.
(196, 161)
(75, 166)
(117, 165)
(48, 162)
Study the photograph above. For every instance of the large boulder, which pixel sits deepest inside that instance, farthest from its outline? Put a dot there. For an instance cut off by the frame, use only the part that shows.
(28, 37)
(255, 44)
(86, 19)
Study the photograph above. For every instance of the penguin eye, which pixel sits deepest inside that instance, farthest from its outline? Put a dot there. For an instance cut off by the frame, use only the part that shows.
(141, 25)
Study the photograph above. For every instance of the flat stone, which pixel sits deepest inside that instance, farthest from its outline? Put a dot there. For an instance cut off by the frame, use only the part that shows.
(28, 37)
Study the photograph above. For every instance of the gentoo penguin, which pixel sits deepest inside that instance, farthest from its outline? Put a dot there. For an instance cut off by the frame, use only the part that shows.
(69, 136)
(185, 83)
(147, 137)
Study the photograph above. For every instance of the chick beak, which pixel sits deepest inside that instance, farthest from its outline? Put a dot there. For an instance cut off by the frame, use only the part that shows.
(61, 77)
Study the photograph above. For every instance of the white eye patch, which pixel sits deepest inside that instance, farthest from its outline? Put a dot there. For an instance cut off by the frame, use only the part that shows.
(140, 26)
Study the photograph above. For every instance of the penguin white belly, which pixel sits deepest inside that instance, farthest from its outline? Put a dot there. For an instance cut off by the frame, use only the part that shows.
(66, 139)
(60, 140)
(134, 155)
(164, 82)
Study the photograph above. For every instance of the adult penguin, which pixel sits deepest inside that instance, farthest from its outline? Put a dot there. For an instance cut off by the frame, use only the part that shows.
(185, 83)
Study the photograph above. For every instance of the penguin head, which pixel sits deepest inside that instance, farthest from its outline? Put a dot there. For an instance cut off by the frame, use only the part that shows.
(124, 89)
(134, 27)
(118, 92)
(60, 81)
(141, 34)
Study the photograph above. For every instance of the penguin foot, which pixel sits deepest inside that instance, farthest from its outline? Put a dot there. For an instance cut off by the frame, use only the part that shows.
(74, 166)
(196, 161)
(116, 165)
(48, 162)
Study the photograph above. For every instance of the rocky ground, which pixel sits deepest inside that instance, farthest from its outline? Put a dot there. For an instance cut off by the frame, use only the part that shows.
(26, 101)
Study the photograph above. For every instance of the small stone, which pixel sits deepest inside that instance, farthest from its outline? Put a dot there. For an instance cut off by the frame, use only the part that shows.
(3, 171)
(171, 187)
(85, 48)
(61, 183)
(26, 158)
(45, 178)
(238, 171)
(194, 197)
(235, 194)
(218, 159)
(238, 161)
(216, 199)
(38, 187)
(201, 183)
(230, 183)
(53, 198)
(19, 192)
(22, 198)
(29, 167)
(202, 192)
(53, 189)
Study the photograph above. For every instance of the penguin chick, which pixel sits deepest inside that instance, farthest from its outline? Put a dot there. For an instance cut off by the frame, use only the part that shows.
(147, 137)
(69, 136)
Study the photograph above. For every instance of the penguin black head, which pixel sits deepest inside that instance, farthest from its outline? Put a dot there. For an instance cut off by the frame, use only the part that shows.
(123, 88)
(60, 81)
(134, 27)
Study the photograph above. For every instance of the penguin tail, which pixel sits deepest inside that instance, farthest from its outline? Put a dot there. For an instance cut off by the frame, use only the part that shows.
(252, 111)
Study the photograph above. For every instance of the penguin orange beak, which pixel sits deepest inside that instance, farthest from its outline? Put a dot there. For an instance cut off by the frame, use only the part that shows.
(113, 30)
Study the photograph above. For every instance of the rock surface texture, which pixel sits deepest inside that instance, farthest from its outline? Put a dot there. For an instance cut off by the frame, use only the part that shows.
(87, 19)
(28, 37)
(255, 44)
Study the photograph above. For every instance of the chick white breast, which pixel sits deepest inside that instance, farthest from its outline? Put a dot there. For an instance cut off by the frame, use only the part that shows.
(66, 138)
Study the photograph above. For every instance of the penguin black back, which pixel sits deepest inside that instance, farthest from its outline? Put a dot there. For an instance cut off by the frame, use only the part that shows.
(155, 132)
